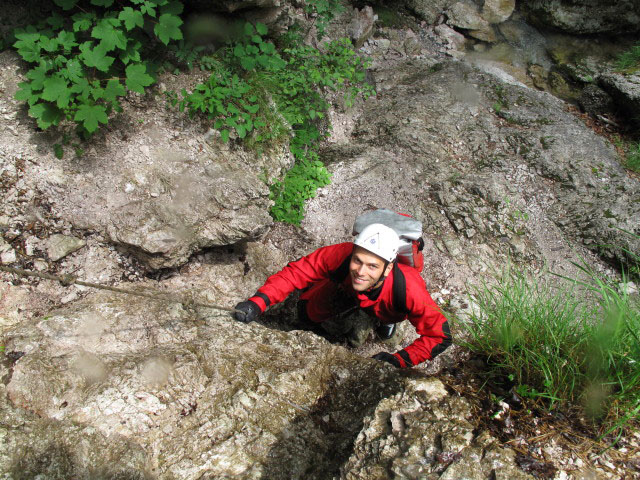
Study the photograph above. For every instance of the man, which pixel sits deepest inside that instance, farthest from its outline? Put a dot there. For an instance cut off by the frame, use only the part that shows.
(343, 277)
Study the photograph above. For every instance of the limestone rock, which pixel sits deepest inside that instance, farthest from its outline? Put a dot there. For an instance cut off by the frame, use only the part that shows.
(625, 90)
(361, 26)
(466, 14)
(497, 11)
(59, 246)
(429, 10)
(595, 101)
(424, 433)
(253, 402)
(585, 16)
(7, 253)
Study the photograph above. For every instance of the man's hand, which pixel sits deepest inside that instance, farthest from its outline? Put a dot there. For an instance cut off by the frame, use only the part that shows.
(387, 357)
(247, 311)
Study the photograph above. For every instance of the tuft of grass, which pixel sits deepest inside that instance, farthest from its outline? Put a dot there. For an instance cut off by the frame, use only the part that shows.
(577, 344)
(632, 160)
(629, 61)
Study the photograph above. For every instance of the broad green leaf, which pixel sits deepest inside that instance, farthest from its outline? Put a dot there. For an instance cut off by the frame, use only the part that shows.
(148, 8)
(28, 46)
(90, 116)
(137, 77)
(81, 88)
(73, 70)
(102, 3)
(261, 28)
(96, 57)
(267, 47)
(46, 114)
(224, 134)
(256, 38)
(58, 151)
(253, 108)
(113, 90)
(49, 44)
(238, 51)
(67, 40)
(37, 76)
(131, 53)
(54, 87)
(25, 93)
(131, 18)
(241, 130)
(66, 4)
(248, 29)
(168, 28)
(247, 63)
(83, 21)
(109, 36)
(173, 8)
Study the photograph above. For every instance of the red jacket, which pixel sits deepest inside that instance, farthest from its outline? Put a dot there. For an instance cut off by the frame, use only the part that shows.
(314, 271)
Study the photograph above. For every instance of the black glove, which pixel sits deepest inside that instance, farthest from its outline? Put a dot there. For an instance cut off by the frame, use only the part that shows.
(248, 311)
(387, 357)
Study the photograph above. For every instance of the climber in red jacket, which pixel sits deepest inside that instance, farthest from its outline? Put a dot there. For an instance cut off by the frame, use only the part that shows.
(341, 278)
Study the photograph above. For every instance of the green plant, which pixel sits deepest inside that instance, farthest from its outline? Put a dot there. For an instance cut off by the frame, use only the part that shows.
(260, 94)
(325, 11)
(629, 61)
(577, 343)
(632, 160)
(300, 182)
(88, 53)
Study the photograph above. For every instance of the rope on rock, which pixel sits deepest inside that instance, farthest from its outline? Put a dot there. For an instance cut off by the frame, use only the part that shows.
(67, 280)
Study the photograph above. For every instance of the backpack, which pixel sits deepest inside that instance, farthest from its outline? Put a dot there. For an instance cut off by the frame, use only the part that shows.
(410, 252)
(408, 229)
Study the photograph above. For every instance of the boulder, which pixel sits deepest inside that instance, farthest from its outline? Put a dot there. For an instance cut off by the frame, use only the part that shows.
(361, 25)
(429, 10)
(497, 11)
(466, 14)
(582, 17)
(625, 90)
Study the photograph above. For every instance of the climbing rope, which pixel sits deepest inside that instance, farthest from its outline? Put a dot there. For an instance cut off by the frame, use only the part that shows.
(67, 280)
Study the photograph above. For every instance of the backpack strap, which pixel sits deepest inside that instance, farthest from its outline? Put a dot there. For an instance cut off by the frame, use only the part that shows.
(399, 290)
(339, 274)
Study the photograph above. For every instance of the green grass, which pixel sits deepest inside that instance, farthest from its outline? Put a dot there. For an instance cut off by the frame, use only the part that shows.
(632, 161)
(629, 61)
(573, 345)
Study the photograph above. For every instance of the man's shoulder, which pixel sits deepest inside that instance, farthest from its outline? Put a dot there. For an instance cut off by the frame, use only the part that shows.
(411, 275)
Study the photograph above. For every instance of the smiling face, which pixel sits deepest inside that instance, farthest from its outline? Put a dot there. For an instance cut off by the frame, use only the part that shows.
(365, 269)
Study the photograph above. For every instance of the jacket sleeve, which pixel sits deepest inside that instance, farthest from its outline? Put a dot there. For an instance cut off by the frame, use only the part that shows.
(430, 324)
(301, 273)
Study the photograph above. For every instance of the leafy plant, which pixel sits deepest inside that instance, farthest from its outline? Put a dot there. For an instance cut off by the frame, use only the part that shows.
(259, 93)
(325, 11)
(88, 54)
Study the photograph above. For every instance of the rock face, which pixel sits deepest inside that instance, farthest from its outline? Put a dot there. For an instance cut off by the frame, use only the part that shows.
(625, 90)
(411, 441)
(585, 16)
(161, 189)
(133, 379)
(487, 165)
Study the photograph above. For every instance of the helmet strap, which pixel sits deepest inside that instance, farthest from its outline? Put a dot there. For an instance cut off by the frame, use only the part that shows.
(381, 278)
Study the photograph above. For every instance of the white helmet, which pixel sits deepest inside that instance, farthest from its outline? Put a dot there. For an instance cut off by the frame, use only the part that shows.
(380, 240)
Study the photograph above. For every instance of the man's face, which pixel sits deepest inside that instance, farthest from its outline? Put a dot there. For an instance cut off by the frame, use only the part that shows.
(365, 269)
